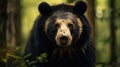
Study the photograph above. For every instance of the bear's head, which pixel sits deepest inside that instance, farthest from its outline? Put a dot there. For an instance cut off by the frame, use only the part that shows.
(65, 24)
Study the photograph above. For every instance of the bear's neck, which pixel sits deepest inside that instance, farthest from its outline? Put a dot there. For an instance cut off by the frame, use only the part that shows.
(61, 52)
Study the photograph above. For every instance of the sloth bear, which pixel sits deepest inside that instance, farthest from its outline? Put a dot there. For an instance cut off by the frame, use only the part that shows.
(63, 33)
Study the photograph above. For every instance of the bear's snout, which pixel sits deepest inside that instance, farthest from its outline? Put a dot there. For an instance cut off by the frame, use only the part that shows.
(64, 39)
(63, 36)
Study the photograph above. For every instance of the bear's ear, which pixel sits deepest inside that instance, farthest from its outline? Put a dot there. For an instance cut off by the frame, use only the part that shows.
(80, 7)
(45, 8)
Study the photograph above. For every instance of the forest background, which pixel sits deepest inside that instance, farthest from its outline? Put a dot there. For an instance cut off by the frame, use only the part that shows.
(17, 18)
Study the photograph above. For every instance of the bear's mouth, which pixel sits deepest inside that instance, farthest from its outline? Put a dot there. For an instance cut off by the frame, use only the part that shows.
(64, 45)
(64, 41)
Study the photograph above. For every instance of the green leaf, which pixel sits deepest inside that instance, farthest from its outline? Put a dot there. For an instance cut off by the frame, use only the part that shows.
(26, 56)
(14, 56)
(42, 57)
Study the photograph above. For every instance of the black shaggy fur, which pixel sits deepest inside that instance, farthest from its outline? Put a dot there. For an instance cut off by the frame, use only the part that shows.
(82, 54)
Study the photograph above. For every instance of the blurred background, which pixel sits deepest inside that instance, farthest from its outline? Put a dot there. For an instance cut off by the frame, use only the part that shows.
(17, 18)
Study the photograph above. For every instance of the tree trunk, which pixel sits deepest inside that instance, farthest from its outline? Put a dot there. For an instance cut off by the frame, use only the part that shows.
(10, 30)
(13, 32)
(3, 22)
(113, 34)
(91, 16)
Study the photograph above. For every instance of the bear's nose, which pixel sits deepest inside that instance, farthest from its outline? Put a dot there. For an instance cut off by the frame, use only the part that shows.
(64, 39)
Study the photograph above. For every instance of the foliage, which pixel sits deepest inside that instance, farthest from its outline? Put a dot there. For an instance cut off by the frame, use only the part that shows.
(42, 57)
(21, 62)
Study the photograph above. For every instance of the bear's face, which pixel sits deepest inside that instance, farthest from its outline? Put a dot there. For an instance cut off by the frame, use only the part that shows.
(63, 24)
(63, 27)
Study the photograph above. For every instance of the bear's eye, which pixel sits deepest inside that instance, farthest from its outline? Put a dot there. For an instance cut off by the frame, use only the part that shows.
(56, 26)
(70, 25)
